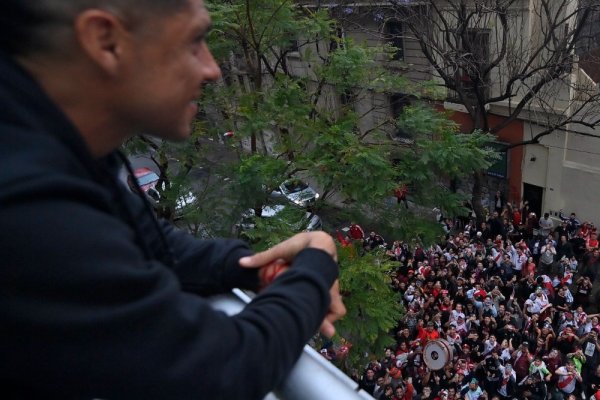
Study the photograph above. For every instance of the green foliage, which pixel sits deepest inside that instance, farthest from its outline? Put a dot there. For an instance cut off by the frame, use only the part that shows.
(374, 309)
(440, 152)
(255, 177)
(268, 231)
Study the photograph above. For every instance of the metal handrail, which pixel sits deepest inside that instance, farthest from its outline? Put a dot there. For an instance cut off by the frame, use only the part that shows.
(313, 377)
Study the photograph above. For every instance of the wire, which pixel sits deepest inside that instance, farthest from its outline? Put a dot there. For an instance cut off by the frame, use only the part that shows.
(567, 148)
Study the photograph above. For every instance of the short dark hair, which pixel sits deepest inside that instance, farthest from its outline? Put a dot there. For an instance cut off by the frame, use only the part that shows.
(29, 26)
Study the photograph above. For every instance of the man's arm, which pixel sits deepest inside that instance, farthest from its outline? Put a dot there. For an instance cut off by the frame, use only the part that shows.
(80, 296)
(209, 266)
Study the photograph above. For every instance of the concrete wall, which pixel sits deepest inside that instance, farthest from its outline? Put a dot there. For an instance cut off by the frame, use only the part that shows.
(570, 177)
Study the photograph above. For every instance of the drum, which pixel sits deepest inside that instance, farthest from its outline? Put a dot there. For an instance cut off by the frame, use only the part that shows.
(437, 353)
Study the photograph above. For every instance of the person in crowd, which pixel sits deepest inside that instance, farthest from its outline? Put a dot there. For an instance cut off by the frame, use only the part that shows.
(531, 224)
(356, 232)
(572, 223)
(591, 264)
(590, 347)
(472, 390)
(593, 383)
(400, 193)
(568, 377)
(499, 202)
(374, 241)
(564, 249)
(538, 366)
(508, 382)
(380, 386)
(368, 381)
(547, 256)
(533, 387)
(546, 225)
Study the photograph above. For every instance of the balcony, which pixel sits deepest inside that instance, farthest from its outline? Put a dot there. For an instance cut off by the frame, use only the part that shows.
(313, 377)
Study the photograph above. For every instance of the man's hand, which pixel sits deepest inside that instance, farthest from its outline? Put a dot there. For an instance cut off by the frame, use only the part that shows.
(288, 249)
(337, 310)
(283, 253)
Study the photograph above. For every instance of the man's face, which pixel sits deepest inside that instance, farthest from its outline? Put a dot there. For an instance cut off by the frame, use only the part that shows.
(168, 62)
(570, 367)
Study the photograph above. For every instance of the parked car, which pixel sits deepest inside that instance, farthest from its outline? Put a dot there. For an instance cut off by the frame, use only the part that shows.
(297, 192)
(309, 222)
(147, 181)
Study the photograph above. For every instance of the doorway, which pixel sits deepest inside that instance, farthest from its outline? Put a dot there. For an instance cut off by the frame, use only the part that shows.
(534, 194)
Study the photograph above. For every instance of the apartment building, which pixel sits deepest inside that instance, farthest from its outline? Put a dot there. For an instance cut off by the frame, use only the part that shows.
(510, 67)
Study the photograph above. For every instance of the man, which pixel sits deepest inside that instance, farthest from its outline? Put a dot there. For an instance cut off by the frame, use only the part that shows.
(522, 360)
(547, 255)
(591, 347)
(533, 387)
(428, 333)
(508, 382)
(472, 391)
(380, 387)
(564, 249)
(100, 300)
(368, 381)
(567, 378)
(546, 225)
(572, 223)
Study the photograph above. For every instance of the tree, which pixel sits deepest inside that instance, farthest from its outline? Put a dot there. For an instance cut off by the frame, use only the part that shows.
(291, 90)
(496, 55)
(308, 124)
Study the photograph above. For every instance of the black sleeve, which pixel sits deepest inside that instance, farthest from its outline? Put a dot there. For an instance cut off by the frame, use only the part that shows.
(210, 266)
(86, 315)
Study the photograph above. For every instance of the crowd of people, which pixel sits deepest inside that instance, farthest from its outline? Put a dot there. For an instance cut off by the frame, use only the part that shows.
(512, 299)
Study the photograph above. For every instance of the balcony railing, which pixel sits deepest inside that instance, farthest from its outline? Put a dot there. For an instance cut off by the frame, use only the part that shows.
(313, 377)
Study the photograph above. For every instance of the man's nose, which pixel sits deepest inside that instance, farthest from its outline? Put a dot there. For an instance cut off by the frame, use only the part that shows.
(210, 69)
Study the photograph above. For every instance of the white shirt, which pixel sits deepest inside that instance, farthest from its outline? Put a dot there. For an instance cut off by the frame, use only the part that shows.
(570, 387)
(546, 226)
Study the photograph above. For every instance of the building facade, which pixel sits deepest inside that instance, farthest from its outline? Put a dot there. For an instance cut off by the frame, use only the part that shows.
(517, 65)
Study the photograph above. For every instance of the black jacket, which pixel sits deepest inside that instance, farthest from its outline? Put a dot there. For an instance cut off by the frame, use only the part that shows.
(99, 300)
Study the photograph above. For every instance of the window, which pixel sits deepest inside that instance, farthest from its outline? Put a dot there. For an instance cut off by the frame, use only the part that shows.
(398, 102)
(338, 41)
(394, 34)
(477, 49)
(293, 48)
(347, 97)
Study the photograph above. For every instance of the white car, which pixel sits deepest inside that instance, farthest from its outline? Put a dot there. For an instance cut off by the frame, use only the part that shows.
(147, 181)
(310, 222)
(297, 192)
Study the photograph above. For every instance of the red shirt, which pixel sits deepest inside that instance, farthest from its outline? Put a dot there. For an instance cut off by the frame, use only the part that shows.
(426, 335)
(356, 232)
(516, 218)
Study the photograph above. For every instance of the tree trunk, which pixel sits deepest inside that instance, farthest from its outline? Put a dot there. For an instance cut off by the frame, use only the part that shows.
(476, 196)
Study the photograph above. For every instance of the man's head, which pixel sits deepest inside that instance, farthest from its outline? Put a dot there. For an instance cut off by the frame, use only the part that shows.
(370, 374)
(473, 384)
(47, 25)
(115, 67)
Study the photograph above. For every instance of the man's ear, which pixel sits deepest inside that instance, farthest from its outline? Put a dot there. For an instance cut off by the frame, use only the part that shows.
(103, 38)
